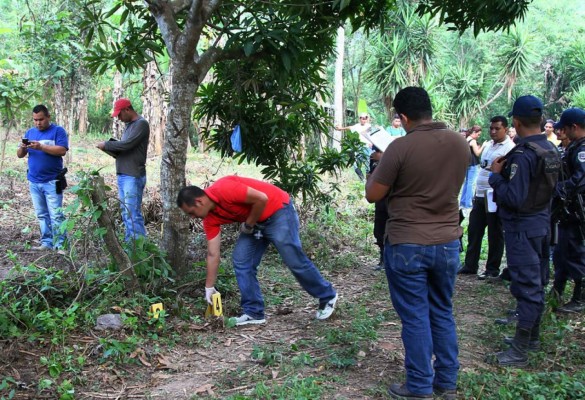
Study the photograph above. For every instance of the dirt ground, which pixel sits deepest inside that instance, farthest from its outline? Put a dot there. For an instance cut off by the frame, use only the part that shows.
(213, 362)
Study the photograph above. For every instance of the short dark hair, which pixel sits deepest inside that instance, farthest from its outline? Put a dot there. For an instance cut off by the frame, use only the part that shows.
(41, 108)
(414, 102)
(188, 194)
(500, 118)
(530, 122)
(396, 116)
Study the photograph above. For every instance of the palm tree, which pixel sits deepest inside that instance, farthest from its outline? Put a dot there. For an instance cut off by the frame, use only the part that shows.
(516, 58)
(401, 55)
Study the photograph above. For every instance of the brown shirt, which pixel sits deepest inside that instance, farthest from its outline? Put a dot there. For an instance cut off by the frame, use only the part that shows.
(425, 170)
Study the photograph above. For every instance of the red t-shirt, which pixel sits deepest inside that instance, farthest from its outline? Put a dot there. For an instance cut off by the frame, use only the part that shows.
(229, 195)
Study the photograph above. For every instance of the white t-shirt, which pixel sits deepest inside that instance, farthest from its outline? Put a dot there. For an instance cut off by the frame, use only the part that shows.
(360, 129)
(488, 155)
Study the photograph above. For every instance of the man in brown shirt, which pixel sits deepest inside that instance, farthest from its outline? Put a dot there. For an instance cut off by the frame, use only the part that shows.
(422, 174)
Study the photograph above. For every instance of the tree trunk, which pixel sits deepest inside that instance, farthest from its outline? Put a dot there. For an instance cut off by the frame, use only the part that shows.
(63, 108)
(172, 172)
(388, 106)
(338, 94)
(118, 92)
(154, 107)
(105, 221)
(82, 114)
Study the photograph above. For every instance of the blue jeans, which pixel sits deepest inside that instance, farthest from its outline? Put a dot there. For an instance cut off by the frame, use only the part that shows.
(421, 281)
(282, 230)
(130, 191)
(47, 204)
(468, 187)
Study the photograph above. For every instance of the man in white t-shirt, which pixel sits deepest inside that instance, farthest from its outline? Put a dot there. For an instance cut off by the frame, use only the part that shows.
(480, 217)
(360, 128)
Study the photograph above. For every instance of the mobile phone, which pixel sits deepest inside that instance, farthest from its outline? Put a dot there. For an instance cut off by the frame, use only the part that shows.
(25, 141)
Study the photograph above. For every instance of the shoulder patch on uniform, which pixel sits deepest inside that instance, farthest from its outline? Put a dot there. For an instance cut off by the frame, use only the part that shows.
(513, 170)
(581, 156)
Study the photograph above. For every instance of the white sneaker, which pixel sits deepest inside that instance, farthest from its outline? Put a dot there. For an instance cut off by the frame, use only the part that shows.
(245, 319)
(326, 309)
(42, 247)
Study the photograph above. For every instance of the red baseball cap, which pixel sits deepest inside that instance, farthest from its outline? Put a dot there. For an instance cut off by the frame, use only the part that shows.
(119, 105)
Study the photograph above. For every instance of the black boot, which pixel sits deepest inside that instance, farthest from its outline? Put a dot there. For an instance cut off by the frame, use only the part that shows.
(517, 354)
(577, 303)
(534, 343)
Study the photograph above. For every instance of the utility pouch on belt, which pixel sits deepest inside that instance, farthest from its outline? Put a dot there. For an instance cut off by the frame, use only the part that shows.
(61, 183)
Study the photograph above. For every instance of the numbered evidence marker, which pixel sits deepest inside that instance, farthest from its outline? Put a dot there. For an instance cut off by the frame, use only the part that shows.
(155, 310)
(214, 309)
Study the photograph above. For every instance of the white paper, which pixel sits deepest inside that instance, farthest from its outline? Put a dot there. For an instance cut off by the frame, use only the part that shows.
(378, 136)
(491, 204)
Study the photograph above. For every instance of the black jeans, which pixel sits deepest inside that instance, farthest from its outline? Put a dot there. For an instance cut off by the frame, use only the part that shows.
(380, 218)
(479, 219)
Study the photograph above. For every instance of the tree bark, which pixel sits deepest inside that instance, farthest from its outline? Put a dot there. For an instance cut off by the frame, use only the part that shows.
(154, 107)
(338, 93)
(105, 220)
(174, 157)
(82, 116)
(118, 92)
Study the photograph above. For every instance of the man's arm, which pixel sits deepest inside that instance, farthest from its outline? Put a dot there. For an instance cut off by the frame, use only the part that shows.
(510, 193)
(55, 150)
(21, 151)
(213, 258)
(374, 190)
(257, 200)
(135, 137)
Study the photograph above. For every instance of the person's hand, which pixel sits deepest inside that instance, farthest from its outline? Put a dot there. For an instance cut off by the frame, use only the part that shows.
(247, 229)
(210, 291)
(34, 145)
(376, 156)
(498, 165)
(101, 145)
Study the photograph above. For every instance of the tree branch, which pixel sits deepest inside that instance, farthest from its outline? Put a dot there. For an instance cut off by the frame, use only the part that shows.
(164, 16)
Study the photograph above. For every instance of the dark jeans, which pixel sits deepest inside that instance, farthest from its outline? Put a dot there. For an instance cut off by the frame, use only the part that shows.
(528, 262)
(380, 218)
(421, 281)
(479, 219)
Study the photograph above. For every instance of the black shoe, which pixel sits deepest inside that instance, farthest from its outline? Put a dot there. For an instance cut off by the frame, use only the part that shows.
(466, 271)
(516, 355)
(572, 307)
(486, 274)
(493, 279)
(397, 391)
(533, 345)
(508, 320)
(445, 394)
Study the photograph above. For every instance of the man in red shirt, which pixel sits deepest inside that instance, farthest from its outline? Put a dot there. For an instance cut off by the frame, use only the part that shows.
(267, 215)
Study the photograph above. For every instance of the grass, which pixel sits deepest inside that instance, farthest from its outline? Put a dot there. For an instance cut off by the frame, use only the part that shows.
(317, 360)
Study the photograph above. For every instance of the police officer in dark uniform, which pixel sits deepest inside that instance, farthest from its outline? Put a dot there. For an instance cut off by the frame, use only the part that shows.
(380, 212)
(523, 183)
(569, 254)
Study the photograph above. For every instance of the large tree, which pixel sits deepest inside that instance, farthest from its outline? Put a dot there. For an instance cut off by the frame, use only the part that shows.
(279, 47)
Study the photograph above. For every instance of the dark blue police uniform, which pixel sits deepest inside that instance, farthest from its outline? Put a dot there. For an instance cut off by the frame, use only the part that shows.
(522, 193)
(569, 254)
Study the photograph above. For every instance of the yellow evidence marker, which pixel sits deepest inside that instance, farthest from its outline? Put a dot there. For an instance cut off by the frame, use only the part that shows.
(214, 309)
(155, 310)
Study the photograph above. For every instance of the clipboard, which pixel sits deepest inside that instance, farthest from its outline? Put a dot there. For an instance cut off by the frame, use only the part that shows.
(110, 153)
(378, 136)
